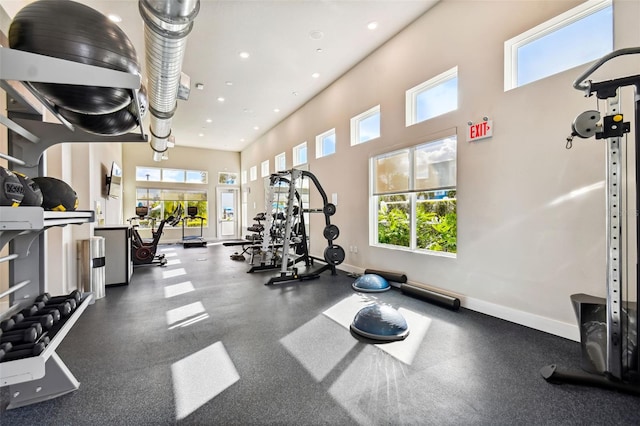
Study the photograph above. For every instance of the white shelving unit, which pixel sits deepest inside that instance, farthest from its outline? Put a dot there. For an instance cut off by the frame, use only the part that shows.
(40, 378)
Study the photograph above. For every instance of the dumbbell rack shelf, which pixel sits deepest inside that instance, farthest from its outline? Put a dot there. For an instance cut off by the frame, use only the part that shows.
(30, 134)
(43, 377)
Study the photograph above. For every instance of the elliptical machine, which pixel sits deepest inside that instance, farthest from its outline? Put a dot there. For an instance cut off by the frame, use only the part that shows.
(143, 250)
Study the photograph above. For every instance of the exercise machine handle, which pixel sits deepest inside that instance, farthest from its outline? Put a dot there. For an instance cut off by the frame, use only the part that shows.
(581, 84)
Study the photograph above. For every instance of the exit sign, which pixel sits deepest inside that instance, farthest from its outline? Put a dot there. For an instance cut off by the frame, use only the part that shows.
(479, 131)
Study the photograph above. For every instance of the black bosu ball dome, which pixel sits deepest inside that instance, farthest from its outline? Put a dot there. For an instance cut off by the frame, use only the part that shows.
(57, 195)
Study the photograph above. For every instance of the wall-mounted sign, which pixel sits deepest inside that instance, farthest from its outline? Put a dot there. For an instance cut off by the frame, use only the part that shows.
(479, 131)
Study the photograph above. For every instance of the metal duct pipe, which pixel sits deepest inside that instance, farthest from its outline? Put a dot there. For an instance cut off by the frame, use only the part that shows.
(167, 25)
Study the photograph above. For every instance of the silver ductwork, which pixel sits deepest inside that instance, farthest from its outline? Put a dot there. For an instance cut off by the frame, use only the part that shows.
(167, 25)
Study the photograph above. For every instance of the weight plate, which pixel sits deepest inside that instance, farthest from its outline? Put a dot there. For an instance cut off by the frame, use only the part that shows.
(334, 255)
(331, 232)
(329, 209)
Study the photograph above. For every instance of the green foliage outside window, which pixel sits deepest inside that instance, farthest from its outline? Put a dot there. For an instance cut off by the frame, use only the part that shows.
(436, 222)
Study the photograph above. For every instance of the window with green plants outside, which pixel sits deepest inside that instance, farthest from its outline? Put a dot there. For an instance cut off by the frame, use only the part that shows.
(414, 198)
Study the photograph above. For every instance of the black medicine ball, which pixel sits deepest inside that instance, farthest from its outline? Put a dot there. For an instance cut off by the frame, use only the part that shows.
(32, 193)
(11, 190)
(57, 195)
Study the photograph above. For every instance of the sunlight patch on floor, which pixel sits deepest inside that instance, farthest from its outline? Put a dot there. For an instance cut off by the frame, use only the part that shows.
(186, 314)
(173, 273)
(178, 289)
(200, 377)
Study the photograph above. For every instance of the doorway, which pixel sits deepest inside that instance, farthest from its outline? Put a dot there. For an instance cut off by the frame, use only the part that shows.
(227, 213)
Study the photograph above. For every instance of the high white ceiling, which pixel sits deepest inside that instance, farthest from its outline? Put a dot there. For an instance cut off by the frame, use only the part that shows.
(288, 41)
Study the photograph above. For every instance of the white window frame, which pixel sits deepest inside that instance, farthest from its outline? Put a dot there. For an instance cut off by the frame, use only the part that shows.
(563, 20)
(296, 154)
(264, 168)
(411, 95)
(411, 193)
(355, 125)
(280, 162)
(253, 173)
(319, 143)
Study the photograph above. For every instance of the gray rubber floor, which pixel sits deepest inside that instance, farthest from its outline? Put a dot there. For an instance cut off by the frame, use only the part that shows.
(201, 341)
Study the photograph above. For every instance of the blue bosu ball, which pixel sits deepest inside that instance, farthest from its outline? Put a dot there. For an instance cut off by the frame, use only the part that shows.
(380, 322)
(370, 283)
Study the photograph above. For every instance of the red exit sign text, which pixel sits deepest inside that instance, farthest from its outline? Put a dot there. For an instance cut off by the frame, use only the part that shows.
(481, 130)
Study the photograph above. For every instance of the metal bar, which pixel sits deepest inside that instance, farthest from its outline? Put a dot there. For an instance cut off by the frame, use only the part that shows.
(10, 158)
(614, 252)
(19, 130)
(8, 258)
(578, 83)
(27, 66)
(14, 288)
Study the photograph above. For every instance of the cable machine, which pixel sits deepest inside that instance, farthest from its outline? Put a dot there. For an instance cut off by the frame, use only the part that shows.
(285, 242)
(609, 327)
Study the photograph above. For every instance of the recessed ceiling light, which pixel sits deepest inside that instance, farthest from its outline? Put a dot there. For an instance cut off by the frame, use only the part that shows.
(209, 120)
(294, 93)
(319, 50)
(372, 25)
(201, 134)
(276, 110)
(199, 86)
(315, 75)
(256, 128)
(229, 83)
(244, 55)
(220, 99)
(242, 140)
(316, 35)
(115, 18)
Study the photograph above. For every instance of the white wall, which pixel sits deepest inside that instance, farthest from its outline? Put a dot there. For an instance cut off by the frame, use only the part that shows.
(520, 255)
(140, 154)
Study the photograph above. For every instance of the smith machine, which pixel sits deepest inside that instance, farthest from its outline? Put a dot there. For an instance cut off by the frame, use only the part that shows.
(609, 327)
(285, 242)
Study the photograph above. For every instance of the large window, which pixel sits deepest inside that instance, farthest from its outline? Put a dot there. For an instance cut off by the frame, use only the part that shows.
(326, 143)
(432, 98)
(365, 126)
(413, 203)
(578, 36)
(156, 174)
(162, 203)
(300, 154)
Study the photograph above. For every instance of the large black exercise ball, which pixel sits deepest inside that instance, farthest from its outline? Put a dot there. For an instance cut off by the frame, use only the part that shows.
(32, 193)
(11, 190)
(75, 32)
(112, 123)
(57, 195)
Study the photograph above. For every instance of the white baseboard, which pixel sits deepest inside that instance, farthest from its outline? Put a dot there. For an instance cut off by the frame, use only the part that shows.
(537, 322)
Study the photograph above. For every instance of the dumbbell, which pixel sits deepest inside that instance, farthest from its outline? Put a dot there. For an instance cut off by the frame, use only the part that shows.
(38, 310)
(28, 335)
(47, 298)
(64, 309)
(4, 348)
(35, 350)
(44, 339)
(45, 321)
